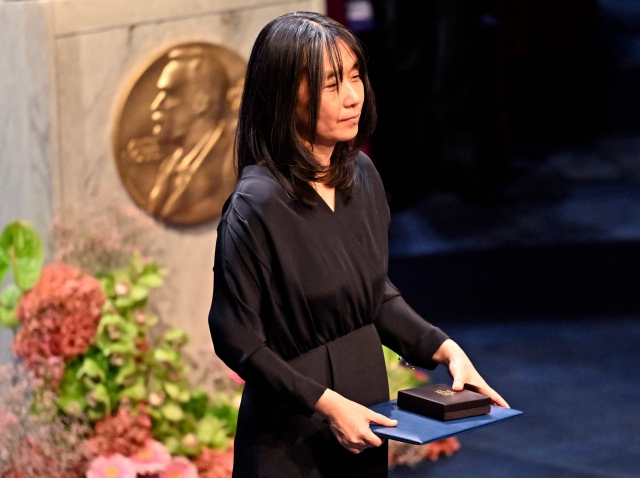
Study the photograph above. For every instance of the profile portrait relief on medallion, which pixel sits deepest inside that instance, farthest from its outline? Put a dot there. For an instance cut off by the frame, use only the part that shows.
(173, 139)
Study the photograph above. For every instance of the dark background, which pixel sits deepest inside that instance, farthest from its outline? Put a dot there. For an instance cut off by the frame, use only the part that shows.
(509, 145)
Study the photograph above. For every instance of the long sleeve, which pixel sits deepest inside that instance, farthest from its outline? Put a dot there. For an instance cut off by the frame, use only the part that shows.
(237, 324)
(404, 331)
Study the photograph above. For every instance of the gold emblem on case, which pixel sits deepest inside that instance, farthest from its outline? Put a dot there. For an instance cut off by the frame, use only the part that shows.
(173, 138)
(446, 393)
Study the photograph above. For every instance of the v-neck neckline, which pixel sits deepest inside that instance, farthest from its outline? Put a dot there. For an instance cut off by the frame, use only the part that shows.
(325, 203)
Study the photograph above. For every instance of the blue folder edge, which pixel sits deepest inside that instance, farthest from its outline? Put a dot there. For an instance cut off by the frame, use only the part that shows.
(418, 429)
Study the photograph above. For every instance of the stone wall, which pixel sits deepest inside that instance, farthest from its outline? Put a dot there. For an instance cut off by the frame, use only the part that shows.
(63, 67)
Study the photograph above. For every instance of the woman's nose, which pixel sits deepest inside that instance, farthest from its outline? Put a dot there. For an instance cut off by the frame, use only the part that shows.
(353, 94)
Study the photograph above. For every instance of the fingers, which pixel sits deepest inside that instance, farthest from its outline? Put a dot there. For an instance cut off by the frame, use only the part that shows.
(353, 429)
(495, 398)
(485, 389)
(379, 419)
(371, 439)
(366, 440)
(466, 376)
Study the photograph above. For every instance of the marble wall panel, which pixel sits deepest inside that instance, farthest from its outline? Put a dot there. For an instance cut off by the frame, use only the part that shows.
(26, 95)
(26, 108)
(63, 67)
(93, 68)
(76, 16)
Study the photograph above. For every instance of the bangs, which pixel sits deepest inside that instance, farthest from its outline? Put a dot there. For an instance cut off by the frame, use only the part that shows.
(325, 40)
(288, 52)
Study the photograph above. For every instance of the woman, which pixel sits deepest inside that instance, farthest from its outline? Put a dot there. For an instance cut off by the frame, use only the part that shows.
(301, 299)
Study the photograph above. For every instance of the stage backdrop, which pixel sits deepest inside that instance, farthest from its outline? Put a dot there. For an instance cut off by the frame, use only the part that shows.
(95, 116)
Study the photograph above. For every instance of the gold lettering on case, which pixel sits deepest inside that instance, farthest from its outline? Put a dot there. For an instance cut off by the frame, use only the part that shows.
(446, 393)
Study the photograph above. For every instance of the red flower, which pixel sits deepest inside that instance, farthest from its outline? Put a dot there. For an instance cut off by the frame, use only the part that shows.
(59, 317)
(123, 433)
(215, 463)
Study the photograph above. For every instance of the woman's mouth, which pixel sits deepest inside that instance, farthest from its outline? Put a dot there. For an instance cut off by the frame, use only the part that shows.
(351, 119)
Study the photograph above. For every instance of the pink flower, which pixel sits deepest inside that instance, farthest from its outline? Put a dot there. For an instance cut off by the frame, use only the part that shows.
(115, 466)
(153, 458)
(235, 377)
(180, 467)
(7, 421)
(420, 375)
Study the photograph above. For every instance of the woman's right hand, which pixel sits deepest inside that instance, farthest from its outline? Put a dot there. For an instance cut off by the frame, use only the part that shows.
(349, 421)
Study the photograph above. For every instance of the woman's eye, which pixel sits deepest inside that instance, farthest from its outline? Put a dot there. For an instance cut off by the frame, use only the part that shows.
(332, 85)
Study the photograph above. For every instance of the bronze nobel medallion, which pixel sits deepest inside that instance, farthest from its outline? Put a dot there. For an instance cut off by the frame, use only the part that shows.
(173, 138)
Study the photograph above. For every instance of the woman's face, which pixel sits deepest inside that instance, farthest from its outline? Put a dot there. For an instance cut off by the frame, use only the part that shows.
(339, 111)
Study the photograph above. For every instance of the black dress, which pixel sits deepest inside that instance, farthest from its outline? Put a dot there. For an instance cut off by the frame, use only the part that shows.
(302, 302)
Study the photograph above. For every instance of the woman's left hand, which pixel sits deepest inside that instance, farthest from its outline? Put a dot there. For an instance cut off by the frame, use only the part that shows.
(463, 372)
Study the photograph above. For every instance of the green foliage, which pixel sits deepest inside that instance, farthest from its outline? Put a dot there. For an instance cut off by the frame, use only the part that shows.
(122, 365)
(21, 253)
(8, 302)
(401, 376)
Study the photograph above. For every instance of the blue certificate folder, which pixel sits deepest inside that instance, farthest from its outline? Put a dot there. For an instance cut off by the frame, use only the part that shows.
(418, 429)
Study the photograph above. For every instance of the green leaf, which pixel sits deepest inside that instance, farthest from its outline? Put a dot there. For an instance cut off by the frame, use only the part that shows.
(208, 428)
(172, 444)
(124, 343)
(100, 395)
(108, 308)
(184, 395)
(151, 320)
(8, 318)
(172, 411)
(165, 355)
(172, 389)
(108, 286)
(92, 370)
(10, 296)
(122, 303)
(72, 405)
(5, 263)
(224, 410)
(126, 371)
(108, 319)
(197, 404)
(155, 414)
(212, 432)
(70, 386)
(22, 244)
(95, 414)
(176, 337)
(121, 346)
(138, 391)
(138, 293)
(152, 281)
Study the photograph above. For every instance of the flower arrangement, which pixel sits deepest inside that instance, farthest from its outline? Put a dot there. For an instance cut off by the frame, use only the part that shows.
(87, 342)
(34, 440)
(101, 392)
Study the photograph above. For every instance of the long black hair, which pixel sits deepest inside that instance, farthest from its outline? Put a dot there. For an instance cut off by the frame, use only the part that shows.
(288, 50)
